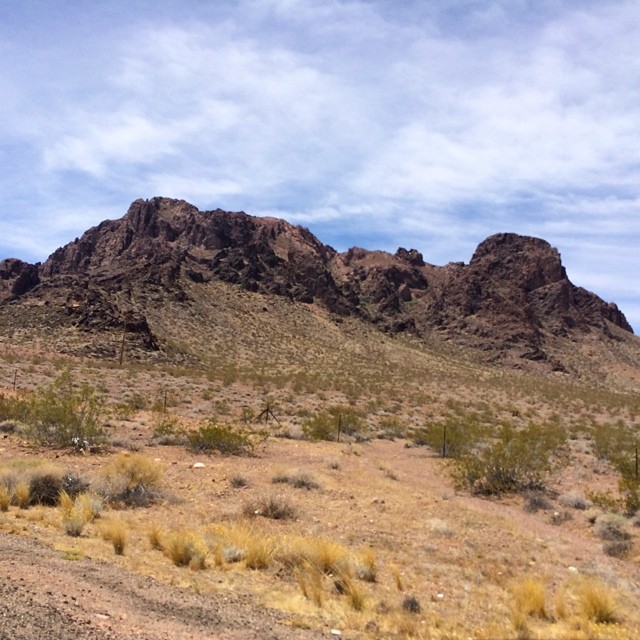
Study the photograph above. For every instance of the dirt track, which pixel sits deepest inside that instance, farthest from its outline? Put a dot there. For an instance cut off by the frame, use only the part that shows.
(46, 596)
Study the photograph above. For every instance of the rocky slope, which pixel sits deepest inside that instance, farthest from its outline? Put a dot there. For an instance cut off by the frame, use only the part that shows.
(512, 303)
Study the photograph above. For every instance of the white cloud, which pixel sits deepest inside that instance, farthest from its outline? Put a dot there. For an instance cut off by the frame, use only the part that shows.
(424, 124)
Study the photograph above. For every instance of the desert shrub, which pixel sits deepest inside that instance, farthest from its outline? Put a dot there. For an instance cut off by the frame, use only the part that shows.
(332, 422)
(132, 480)
(517, 460)
(450, 439)
(411, 604)
(45, 488)
(618, 548)
(611, 526)
(21, 495)
(366, 566)
(238, 482)
(212, 436)
(629, 488)
(13, 409)
(535, 501)
(322, 554)
(300, 480)
(391, 428)
(574, 500)
(272, 507)
(62, 416)
(167, 429)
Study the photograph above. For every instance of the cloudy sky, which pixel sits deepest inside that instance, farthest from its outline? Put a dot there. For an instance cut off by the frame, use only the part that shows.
(427, 124)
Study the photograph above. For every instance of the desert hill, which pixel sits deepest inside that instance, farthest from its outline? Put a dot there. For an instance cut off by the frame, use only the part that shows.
(161, 271)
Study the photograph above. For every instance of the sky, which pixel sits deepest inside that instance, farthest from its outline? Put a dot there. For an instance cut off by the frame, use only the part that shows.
(424, 124)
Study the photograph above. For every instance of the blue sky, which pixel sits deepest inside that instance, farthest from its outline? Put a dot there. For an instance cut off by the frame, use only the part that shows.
(377, 123)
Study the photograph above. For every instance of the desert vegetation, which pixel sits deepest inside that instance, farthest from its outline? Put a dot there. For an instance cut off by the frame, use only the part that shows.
(408, 497)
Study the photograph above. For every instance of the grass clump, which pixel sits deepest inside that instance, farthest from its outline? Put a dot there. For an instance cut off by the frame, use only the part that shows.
(212, 436)
(79, 512)
(185, 549)
(529, 598)
(598, 602)
(132, 480)
(5, 498)
(115, 531)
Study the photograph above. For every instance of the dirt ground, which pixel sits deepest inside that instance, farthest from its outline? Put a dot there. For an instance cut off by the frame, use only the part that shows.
(43, 595)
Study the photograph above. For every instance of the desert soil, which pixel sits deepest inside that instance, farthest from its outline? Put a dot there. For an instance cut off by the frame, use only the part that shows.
(43, 595)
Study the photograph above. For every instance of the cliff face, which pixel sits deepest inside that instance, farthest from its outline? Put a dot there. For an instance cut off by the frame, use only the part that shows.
(513, 297)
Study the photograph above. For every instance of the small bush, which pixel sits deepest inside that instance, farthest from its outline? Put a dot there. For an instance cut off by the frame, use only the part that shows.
(77, 513)
(167, 429)
(518, 460)
(336, 421)
(535, 501)
(611, 526)
(62, 416)
(273, 507)
(212, 436)
(618, 548)
(133, 480)
(45, 488)
(574, 500)
(238, 482)
(299, 480)
(411, 604)
(367, 567)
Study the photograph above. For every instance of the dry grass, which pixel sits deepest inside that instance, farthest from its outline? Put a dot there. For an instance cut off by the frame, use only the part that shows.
(528, 600)
(5, 498)
(115, 531)
(78, 512)
(598, 602)
(185, 549)
(22, 495)
(131, 479)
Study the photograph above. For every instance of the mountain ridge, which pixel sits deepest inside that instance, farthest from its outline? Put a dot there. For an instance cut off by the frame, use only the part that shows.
(513, 303)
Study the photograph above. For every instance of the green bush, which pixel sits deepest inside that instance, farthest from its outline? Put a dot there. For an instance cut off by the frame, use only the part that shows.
(62, 416)
(516, 461)
(212, 436)
(338, 419)
(450, 439)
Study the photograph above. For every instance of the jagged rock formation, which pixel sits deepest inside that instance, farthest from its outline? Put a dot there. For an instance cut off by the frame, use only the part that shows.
(513, 298)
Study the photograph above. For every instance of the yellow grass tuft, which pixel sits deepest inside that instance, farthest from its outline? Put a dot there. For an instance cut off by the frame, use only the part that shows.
(5, 498)
(598, 602)
(529, 598)
(115, 531)
(22, 495)
(185, 549)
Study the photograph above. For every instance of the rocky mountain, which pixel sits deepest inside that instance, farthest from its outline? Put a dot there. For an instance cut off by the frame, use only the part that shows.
(512, 303)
